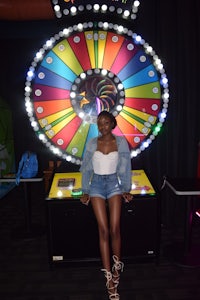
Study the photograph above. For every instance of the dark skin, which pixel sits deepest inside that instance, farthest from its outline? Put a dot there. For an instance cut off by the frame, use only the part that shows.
(107, 143)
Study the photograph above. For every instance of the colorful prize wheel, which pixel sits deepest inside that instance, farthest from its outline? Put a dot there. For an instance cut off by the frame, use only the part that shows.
(86, 69)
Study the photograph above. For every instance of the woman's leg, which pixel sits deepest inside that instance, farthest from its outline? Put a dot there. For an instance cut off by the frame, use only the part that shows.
(100, 211)
(115, 204)
(99, 208)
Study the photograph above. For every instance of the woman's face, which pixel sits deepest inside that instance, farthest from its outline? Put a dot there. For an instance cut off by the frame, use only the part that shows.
(105, 125)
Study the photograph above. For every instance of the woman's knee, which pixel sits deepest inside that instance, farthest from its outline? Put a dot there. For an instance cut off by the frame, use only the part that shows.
(115, 232)
(104, 233)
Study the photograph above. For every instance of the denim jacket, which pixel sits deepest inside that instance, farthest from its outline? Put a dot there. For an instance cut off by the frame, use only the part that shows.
(123, 166)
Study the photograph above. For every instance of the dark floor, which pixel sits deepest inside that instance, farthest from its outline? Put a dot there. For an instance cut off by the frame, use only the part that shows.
(25, 273)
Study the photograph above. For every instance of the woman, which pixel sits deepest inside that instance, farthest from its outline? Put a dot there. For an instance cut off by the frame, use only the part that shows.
(106, 174)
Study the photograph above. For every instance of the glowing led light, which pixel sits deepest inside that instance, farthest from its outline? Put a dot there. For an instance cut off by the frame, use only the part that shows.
(59, 193)
(68, 158)
(120, 86)
(56, 150)
(27, 89)
(66, 31)
(104, 72)
(49, 43)
(120, 28)
(57, 8)
(119, 107)
(133, 154)
(42, 137)
(96, 7)
(163, 115)
(146, 144)
(133, 186)
(38, 55)
(160, 66)
(126, 13)
(30, 74)
(104, 7)
(149, 49)
(73, 95)
(34, 124)
(80, 26)
(28, 103)
(73, 10)
(136, 3)
(164, 80)
(83, 75)
(81, 115)
(165, 95)
(105, 25)
(29, 109)
(157, 61)
(157, 129)
(138, 38)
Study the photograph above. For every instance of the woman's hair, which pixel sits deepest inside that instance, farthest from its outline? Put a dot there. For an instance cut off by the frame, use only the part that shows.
(105, 113)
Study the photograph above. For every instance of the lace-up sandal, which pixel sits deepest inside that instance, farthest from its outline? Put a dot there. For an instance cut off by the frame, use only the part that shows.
(117, 268)
(112, 293)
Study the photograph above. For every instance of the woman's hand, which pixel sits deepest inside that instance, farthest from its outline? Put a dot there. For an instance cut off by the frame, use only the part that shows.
(127, 197)
(85, 199)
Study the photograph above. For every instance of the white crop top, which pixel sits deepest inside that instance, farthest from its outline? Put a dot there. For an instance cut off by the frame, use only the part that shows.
(105, 164)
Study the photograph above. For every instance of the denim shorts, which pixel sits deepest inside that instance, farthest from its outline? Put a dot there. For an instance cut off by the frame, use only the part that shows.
(104, 186)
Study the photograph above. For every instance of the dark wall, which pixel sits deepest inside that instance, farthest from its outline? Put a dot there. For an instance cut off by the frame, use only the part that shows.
(172, 28)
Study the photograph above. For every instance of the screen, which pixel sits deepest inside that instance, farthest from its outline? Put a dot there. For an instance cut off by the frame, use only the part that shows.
(68, 185)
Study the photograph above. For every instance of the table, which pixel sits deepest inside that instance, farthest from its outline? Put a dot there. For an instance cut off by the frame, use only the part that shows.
(29, 230)
(188, 188)
(71, 224)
